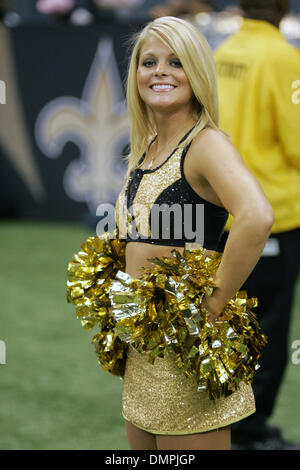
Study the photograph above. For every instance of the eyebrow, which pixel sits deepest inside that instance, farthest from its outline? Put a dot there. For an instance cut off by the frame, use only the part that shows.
(153, 53)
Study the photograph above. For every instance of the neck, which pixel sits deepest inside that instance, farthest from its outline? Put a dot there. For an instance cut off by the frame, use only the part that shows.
(272, 18)
(169, 126)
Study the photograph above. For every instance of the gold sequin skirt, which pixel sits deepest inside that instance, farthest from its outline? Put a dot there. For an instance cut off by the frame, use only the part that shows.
(160, 399)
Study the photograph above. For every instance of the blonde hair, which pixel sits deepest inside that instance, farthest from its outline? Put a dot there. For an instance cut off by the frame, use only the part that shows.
(196, 57)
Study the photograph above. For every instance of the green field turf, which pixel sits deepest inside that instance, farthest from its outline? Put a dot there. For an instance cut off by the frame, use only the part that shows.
(53, 394)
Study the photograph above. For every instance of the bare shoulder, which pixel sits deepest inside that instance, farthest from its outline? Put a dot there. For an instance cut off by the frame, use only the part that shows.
(210, 134)
(216, 160)
(210, 143)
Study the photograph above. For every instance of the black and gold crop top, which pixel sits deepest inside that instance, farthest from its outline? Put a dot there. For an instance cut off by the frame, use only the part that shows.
(159, 206)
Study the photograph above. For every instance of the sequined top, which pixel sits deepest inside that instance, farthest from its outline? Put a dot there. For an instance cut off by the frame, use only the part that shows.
(159, 206)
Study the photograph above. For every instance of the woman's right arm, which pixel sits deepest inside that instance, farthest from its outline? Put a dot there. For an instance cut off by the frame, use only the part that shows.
(241, 194)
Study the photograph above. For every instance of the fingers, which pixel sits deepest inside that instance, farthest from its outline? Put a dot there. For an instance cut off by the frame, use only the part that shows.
(212, 317)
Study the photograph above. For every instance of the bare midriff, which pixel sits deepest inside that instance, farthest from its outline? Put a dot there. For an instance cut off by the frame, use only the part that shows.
(136, 255)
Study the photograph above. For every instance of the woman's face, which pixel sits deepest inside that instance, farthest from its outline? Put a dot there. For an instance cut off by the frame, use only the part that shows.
(161, 80)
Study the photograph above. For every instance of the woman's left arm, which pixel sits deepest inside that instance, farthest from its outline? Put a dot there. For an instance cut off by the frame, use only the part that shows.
(219, 162)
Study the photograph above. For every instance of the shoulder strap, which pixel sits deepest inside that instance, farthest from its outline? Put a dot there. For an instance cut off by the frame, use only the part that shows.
(144, 154)
(186, 135)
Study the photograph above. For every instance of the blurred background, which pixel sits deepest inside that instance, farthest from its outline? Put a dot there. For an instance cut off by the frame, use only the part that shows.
(63, 127)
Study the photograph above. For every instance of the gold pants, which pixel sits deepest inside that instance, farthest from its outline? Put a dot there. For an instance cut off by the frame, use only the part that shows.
(160, 399)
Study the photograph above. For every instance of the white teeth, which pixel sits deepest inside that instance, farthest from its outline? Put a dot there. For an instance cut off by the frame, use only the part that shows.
(162, 87)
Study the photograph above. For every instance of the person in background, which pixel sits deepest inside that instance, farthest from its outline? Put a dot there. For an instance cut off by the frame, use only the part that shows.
(180, 8)
(257, 74)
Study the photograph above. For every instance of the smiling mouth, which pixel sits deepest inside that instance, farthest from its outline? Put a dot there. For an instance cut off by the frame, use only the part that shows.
(162, 88)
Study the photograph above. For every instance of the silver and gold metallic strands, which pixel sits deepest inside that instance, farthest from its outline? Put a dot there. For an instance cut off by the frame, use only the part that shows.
(160, 313)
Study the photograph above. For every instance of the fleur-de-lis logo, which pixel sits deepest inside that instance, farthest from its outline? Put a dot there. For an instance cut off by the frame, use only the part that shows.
(98, 124)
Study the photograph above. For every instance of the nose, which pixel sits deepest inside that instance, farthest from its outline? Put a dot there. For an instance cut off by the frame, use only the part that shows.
(160, 69)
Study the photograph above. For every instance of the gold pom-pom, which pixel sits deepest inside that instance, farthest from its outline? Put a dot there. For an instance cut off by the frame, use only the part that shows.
(90, 274)
(163, 310)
